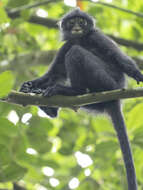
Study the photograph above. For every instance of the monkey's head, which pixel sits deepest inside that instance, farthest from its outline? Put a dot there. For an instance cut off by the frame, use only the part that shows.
(76, 24)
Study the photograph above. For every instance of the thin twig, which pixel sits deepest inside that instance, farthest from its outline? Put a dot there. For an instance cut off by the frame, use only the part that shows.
(118, 8)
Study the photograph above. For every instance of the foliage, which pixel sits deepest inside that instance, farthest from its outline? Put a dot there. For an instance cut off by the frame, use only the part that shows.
(37, 151)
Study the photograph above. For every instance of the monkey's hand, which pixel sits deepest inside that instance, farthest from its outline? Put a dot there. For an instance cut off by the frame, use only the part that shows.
(30, 87)
(139, 77)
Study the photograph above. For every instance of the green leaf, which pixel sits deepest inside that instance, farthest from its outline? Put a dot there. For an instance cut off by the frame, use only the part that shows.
(25, 14)
(66, 149)
(6, 83)
(5, 157)
(19, 146)
(3, 16)
(12, 172)
(7, 128)
(17, 3)
(39, 142)
(89, 183)
(3, 3)
(106, 148)
(135, 116)
(138, 137)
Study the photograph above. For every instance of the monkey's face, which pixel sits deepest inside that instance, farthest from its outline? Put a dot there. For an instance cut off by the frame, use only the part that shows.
(75, 27)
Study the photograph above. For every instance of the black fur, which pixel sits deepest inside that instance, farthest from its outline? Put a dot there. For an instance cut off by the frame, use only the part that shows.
(94, 63)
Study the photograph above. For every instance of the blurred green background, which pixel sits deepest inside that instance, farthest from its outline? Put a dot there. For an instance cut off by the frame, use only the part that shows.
(76, 150)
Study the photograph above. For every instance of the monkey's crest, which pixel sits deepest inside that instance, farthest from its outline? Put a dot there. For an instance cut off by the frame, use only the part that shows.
(76, 13)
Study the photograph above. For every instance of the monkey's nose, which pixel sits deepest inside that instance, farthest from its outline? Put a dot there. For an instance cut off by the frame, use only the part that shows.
(77, 29)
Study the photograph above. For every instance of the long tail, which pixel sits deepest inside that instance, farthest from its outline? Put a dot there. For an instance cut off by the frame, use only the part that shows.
(119, 125)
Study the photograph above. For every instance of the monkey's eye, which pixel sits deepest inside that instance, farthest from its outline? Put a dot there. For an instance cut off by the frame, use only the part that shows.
(71, 22)
(82, 22)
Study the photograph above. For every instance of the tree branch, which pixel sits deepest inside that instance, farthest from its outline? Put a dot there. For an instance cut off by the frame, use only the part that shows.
(26, 7)
(71, 101)
(128, 43)
(48, 22)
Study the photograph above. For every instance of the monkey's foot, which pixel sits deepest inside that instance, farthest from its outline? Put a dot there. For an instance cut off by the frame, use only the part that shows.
(30, 87)
(52, 91)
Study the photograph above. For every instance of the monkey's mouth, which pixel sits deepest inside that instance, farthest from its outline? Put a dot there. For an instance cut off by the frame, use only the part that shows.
(77, 31)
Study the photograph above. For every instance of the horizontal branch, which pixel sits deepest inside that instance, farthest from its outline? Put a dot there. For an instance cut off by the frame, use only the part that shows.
(71, 101)
(47, 22)
(34, 5)
(128, 43)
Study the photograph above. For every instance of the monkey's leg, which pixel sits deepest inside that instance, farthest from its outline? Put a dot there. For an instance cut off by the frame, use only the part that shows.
(27, 87)
(50, 111)
(114, 111)
(58, 90)
(86, 71)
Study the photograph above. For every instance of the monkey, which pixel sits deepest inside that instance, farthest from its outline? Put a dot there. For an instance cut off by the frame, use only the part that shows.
(89, 61)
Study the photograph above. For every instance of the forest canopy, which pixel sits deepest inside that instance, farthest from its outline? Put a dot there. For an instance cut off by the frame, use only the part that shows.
(76, 150)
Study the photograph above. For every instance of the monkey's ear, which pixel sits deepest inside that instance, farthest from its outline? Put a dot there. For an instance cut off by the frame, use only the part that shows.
(59, 23)
(94, 21)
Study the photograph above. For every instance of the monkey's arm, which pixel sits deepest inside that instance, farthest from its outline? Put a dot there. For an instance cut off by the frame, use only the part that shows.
(110, 52)
(56, 72)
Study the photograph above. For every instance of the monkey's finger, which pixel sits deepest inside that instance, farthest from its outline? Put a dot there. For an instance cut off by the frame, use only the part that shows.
(24, 89)
(37, 91)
